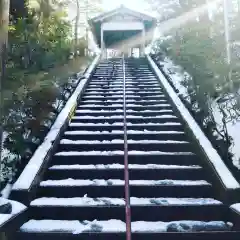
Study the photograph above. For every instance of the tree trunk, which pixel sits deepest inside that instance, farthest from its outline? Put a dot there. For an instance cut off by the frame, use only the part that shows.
(87, 32)
(76, 27)
(238, 4)
(4, 20)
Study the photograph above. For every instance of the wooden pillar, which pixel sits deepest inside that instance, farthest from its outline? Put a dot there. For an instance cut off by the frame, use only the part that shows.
(130, 52)
(143, 42)
(102, 43)
(103, 47)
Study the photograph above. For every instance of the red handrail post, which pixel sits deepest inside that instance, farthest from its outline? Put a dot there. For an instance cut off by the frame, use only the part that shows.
(126, 170)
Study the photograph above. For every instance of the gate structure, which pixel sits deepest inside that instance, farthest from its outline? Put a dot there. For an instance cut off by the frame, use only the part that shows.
(123, 30)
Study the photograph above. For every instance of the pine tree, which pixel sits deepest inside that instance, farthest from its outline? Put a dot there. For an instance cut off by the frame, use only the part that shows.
(199, 48)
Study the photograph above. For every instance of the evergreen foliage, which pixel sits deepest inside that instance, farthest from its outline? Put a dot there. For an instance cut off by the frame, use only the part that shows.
(39, 41)
(199, 48)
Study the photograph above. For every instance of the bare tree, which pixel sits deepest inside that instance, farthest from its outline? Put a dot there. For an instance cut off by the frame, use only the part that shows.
(4, 20)
(83, 9)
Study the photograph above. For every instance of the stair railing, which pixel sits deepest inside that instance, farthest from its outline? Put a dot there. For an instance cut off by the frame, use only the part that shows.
(126, 170)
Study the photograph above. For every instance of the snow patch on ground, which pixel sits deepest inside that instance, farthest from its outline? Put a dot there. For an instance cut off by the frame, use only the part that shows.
(6, 191)
(16, 206)
(62, 117)
(16, 209)
(233, 127)
(33, 166)
(176, 77)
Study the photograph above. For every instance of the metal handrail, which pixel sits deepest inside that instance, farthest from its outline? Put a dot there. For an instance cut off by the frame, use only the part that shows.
(126, 170)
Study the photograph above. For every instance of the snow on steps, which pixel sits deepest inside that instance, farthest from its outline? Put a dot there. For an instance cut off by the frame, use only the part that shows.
(120, 96)
(224, 174)
(87, 201)
(121, 153)
(121, 111)
(121, 101)
(100, 111)
(98, 117)
(115, 89)
(120, 166)
(120, 105)
(120, 90)
(118, 182)
(70, 133)
(24, 182)
(96, 124)
(121, 124)
(117, 116)
(113, 225)
(116, 225)
(120, 141)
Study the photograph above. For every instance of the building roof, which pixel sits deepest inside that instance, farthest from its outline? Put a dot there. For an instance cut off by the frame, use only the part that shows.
(123, 10)
(95, 23)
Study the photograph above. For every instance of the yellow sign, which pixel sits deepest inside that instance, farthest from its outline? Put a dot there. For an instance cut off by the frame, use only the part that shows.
(72, 111)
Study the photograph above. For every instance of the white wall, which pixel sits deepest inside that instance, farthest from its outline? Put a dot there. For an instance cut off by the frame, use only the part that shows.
(119, 26)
